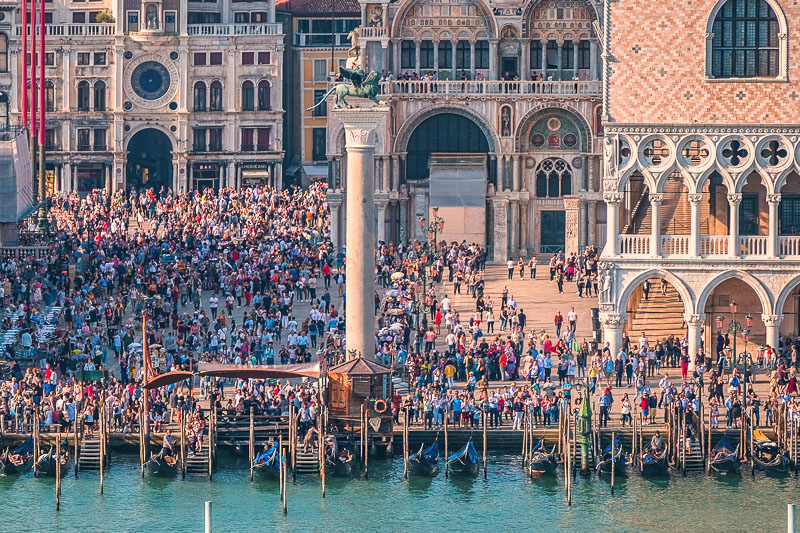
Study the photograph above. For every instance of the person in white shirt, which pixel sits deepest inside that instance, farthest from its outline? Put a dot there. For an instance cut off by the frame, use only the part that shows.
(572, 317)
(510, 265)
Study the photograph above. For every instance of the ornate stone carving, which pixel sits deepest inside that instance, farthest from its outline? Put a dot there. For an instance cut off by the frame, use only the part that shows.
(609, 159)
(613, 320)
(656, 198)
(772, 320)
(694, 319)
(735, 198)
(613, 198)
(773, 198)
(695, 198)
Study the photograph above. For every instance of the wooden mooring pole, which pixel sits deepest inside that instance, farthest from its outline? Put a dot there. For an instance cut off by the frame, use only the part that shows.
(58, 472)
(484, 444)
(613, 465)
(446, 468)
(251, 443)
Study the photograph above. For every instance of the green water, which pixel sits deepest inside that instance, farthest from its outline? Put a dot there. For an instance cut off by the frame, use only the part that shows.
(386, 502)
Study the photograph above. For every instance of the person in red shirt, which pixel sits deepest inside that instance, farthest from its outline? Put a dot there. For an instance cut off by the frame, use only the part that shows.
(558, 320)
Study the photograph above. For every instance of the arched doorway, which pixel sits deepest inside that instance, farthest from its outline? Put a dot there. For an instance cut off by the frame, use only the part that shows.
(733, 310)
(442, 133)
(149, 160)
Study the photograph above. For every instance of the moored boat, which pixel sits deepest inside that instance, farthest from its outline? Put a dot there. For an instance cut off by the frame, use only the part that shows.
(426, 461)
(341, 464)
(18, 461)
(724, 457)
(267, 464)
(654, 461)
(48, 462)
(615, 459)
(543, 462)
(162, 465)
(768, 456)
(464, 461)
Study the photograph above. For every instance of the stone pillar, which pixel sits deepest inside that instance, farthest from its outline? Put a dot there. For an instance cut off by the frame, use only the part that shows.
(575, 57)
(612, 330)
(694, 324)
(436, 55)
(395, 172)
(525, 68)
(66, 178)
(514, 209)
(773, 325)
(612, 222)
(381, 205)
(453, 46)
(472, 59)
(572, 208)
(386, 173)
(544, 60)
(493, 59)
(416, 58)
(500, 230)
(523, 222)
(593, 59)
(655, 224)
(560, 59)
(403, 219)
(694, 236)
(359, 126)
(773, 201)
(334, 203)
(591, 216)
(733, 224)
(516, 171)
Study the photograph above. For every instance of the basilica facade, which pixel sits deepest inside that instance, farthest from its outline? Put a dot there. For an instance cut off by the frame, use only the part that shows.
(701, 159)
(495, 119)
(152, 93)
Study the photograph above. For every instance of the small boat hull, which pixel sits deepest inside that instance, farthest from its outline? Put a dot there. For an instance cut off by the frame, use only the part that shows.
(267, 471)
(604, 468)
(160, 467)
(46, 466)
(339, 468)
(422, 467)
(725, 466)
(8, 468)
(463, 469)
(543, 464)
(654, 463)
(464, 462)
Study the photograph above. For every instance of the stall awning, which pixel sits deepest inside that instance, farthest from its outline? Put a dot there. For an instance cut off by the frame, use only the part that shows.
(169, 378)
(305, 370)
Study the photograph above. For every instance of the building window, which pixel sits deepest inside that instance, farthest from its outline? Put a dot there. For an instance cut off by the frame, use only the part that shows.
(263, 139)
(258, 17)
(320, 70)
(536, 55)
(462, 55)
(789, 218)
(241, 17)
(553, 178)
(199, 140)
(263, 96)
(584, 54)
(49, 97)
(215, 58)
(748, 215)
(99, 58)
(84, 140)
(100, 96)
(50, 140)
(445, 54)
(49, 58)
(83, 96)
(3, 52)
(322, 109)
(264, 58)
(248, 58)
(318, 144)
(78, 17)
(151, 17)
(568, 56)
(552, 55)
(482, 54)
(426, 55)
(745, 42)
(408, 54)
(215, 139)
(99, 139)
(199, 59)
(247, 139)
(215, 103)
(200, 96)
(170, 21)
(133, 21)
(247, 96)
(202, 17)
(84, 58)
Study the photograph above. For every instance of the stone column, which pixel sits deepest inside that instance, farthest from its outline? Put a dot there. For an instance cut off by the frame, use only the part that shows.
(359, 126)
(560, 60)
(572, 207)
(694, 324)
(436, 55)
(395, 172)
(381, 205)
(493, 59)
(655, 224)
(472, 59)
(733, 225)
(416, 58)
(593, 59)
(694, 237)
(454, 46)
(612, 330)
(612, 222)
(403, 216)
(591, 216)
(517, 170)
(334, 203)
(525, 68)
(773, 325)
(514, 209)
(387, 185)
(544, 60)
(575, 57)
(500, 230)
(523, 244)
(773, 201)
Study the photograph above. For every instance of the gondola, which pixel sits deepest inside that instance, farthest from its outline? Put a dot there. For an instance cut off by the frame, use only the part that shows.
(618, 460)
(340, 465)
(267, 464)
(464, 461)
(162, 465)
(654, 462)
(768, 456)
(426, 461)
(543, 462)
(46, 464)
(724, 457)
(18, 461)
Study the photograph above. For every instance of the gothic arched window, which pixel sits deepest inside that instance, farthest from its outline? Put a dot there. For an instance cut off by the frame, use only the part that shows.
(745, 41)
(553, 178)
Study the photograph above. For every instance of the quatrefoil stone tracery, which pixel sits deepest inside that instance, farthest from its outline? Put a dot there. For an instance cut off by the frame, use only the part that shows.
(773, 153)
(735, 152)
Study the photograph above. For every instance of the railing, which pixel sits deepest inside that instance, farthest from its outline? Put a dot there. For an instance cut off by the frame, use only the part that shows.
(372, 31)
(235, 29)
(19, 252)
(486, 87)
(674, 245)
(713, 245)
(752, 245)
(320, 39)
(788, 245)
(85, 30)
(634, 244)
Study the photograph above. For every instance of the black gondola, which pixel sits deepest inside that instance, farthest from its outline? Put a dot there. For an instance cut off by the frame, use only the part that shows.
(724, 457)
(267, 464)
(543, 462)
(618, 460)
(18, 461)
(46, 464)
(464, 461)
(162, 465)
(768, 456)
(654, 461)
(426, 461)
(340, 465)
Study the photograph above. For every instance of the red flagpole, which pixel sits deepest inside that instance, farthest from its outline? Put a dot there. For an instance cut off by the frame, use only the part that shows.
(24, 63)
(33, 69)
(41, 80)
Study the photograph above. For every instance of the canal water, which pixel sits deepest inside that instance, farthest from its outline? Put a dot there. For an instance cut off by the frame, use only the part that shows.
(387, 502)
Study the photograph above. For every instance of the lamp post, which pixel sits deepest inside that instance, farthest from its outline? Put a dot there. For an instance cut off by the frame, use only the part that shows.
(435, 227)
(735, 327)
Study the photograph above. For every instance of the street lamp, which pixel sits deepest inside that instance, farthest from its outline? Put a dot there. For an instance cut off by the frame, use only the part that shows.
(435, 227)
(735, 327)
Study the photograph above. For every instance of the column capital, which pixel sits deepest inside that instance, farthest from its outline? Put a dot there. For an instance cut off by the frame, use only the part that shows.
(613, 320)
(694, 319)
(656, 198)
(735, 198)
(772, 320)
(359, 123)
(695, 198)
(612, 197)
(774, 198)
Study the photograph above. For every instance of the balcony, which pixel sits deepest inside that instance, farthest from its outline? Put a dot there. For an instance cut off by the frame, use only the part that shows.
(426, 88)
(373, 32)
(320, 39)
(224, 30)
(717, 247)
(75, 30)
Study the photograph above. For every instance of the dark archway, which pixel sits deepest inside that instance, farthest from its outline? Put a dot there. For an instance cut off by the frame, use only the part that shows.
(442, 133)
(149, 160)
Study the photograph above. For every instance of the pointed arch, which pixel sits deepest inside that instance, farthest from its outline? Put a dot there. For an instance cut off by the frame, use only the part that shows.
(761, 291)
